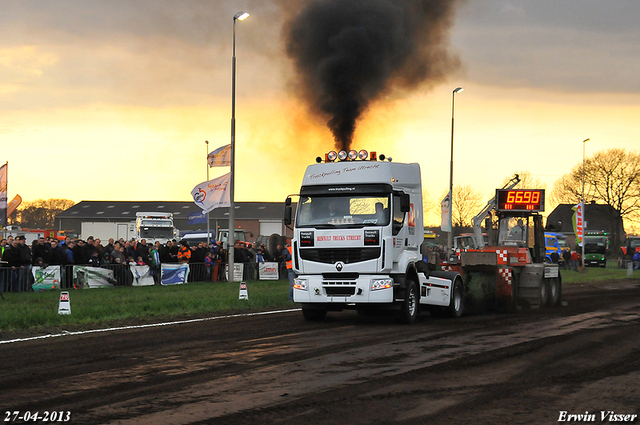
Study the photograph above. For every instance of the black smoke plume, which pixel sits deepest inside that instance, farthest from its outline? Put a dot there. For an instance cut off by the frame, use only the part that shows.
(348, 53)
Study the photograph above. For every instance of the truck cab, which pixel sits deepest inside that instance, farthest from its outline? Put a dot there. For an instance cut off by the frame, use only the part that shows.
(357, 237)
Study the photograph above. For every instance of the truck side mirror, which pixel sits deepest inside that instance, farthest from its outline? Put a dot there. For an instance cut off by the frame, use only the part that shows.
(405, 203)
(287, 212)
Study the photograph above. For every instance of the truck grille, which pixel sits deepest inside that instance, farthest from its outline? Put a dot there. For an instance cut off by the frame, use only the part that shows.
(333, 255)
(338, 288)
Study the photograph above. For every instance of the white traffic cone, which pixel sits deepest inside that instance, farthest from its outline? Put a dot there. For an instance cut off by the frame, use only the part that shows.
(244, 294)
(65, 303)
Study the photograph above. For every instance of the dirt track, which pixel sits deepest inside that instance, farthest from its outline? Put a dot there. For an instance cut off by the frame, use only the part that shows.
(523, 368)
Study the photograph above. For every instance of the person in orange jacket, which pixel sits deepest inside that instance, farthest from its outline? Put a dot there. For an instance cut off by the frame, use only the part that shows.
(184, 253)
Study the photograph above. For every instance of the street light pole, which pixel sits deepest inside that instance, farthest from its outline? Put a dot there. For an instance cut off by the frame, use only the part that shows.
(453, 106)
(240, 16)
(584, 207)
(583, 145)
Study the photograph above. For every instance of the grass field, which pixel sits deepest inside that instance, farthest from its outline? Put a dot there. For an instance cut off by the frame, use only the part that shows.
(145, 304)
(33, 310)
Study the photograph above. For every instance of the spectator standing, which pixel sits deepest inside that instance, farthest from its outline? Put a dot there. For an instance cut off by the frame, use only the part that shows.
(154, 262)
(288, 258)
(165, 252)
(56, 254)
(173, 251)
(108, 249)
(575, 259)
(42, 250)
(142, 250)
(117, 254)
(79, 252)
(208, 264)
(184, 253)
(25, 263)
(11, 257)
(566, 257)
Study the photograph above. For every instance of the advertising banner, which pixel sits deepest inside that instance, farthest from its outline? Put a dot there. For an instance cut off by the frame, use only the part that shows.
(578, 223)
(268, 271)
(445, 213)
(45, 278)
(238, 272)
(174, 274)
(92, 277)
(141, 276)
(3, 195)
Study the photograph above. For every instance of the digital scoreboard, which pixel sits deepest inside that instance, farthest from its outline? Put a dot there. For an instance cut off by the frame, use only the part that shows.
(531, 200)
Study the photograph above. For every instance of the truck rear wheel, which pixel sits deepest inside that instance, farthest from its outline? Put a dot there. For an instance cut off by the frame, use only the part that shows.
(409, 309)
(456, 307)
(544, 293)
(554, 292)
(311, 314)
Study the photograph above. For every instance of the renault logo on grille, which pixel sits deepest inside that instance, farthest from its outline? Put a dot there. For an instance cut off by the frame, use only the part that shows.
(339, 266)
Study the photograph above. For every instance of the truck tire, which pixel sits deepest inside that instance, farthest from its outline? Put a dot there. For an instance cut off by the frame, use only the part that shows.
(313, 314)
(544, 293)
(554, 292)
(456, 307)
(409, 308)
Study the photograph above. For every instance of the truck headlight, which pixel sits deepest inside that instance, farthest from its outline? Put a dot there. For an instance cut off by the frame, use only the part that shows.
(300, 284)
(381, 283)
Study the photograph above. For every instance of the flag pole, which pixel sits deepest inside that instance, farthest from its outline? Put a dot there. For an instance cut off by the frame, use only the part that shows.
(207, 165)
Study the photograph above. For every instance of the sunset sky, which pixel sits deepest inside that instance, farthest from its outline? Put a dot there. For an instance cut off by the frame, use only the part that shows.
(113, 100)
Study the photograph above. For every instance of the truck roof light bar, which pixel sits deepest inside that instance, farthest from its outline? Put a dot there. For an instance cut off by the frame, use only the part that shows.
(352, 155)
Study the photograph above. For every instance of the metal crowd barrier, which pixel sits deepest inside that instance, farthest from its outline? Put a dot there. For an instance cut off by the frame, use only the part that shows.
(22, 279)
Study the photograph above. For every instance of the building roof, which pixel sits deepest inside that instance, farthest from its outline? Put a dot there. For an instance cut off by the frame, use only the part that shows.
(598, 217)
(126, 210)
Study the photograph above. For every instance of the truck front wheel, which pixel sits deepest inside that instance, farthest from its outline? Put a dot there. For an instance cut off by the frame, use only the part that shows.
(409, 309)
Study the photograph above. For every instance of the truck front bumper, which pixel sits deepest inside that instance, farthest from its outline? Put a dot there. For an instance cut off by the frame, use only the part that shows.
(365, 289)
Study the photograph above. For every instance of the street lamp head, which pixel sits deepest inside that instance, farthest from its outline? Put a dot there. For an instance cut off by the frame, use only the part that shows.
(241, 16)
(585, 140)
(458, 90)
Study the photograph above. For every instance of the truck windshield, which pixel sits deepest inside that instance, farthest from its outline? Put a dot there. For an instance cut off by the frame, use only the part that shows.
(165, 223)
(156, 232)
(594, 245)
(346, 210)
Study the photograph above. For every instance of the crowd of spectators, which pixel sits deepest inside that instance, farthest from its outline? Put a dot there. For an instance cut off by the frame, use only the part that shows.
(205, 261)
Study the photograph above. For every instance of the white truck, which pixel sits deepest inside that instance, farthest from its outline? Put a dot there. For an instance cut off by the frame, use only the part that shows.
(357, 238)
(105, 230)
(155, 227)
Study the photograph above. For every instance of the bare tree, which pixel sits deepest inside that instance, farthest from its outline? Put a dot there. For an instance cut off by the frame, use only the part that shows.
(428, 206)
(40, 214)
(611, 177)
(466, 204)
(526, 181)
